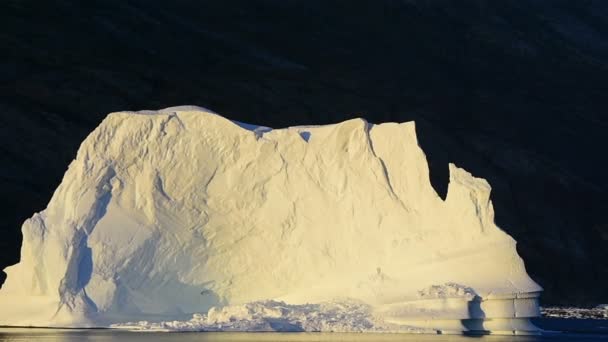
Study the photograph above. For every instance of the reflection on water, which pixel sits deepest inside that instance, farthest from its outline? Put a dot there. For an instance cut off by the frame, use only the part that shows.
(55, 335)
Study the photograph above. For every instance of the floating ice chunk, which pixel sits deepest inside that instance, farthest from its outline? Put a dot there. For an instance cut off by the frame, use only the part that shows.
(599, 312)
(344, 316)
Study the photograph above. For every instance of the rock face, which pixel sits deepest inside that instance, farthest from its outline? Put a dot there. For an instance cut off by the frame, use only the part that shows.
(164, 214)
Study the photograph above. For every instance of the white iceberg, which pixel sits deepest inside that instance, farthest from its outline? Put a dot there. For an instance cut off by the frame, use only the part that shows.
(181, 212)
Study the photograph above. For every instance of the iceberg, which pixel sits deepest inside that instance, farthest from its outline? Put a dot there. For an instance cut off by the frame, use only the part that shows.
(182, 219)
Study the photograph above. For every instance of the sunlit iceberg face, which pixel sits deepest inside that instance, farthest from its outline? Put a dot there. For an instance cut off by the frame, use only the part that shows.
(178, 212)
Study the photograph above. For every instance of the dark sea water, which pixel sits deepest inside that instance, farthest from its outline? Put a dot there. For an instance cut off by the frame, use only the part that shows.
(572, 330)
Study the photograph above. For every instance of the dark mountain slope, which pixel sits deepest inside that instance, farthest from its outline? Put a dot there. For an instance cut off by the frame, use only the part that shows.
(514, 91)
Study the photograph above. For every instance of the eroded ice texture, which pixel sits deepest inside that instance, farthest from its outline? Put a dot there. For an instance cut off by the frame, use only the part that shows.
(167, 214)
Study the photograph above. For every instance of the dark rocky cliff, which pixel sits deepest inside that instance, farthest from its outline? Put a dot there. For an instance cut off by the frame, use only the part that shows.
(514, 91)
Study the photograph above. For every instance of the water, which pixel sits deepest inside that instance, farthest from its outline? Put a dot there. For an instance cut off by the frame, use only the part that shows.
(576, 330)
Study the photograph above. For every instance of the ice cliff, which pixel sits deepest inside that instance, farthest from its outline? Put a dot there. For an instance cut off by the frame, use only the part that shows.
(167, 214)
